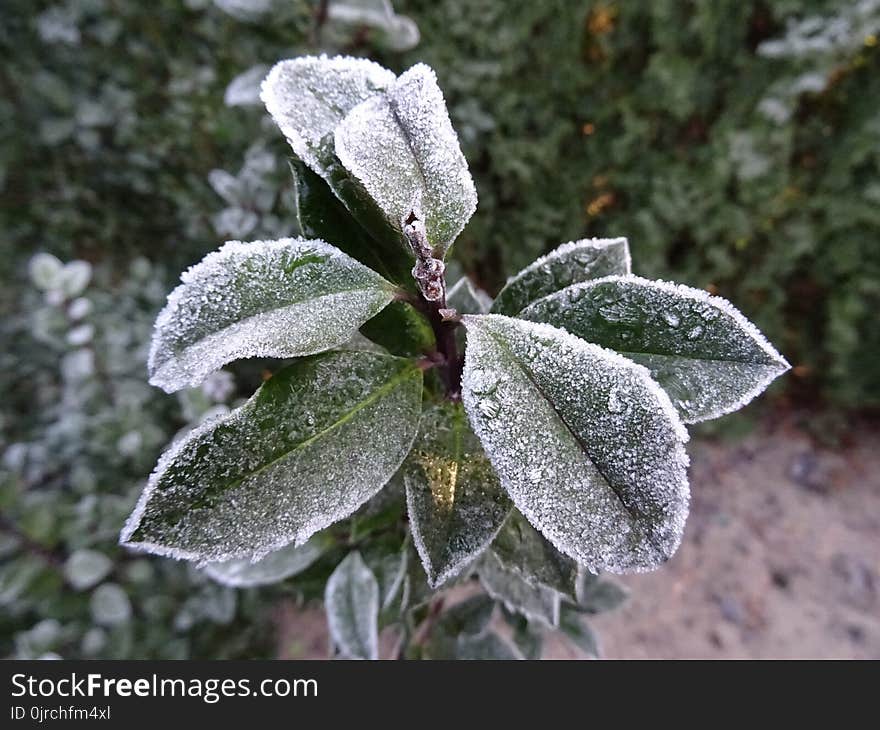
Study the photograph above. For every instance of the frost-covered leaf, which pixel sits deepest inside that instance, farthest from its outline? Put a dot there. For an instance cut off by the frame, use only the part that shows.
(244, 89)
(322, 215)
(272, 567)
(455, 502)
(468, 617)
(487, 646)
(525, 551)
(86, 568)
(351, 600)
(315, 442)
(535, 602)
(309, 96)
(45, 271)
(578, 631)
(283, 298)
(402, 330)
(467, 298)
(399, 33)
(587, 445)
(570, 263)
(401, 146)
(390, 572)
(75, 277)
(704, 353)
(600, 594)
(110, 605)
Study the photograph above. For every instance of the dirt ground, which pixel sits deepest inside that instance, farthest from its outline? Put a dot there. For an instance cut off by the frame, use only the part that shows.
(780, 558)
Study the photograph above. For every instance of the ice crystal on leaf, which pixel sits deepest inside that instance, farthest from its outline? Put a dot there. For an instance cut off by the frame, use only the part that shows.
(268, 298)
(708, 357)
(587, 445)
(314, 443)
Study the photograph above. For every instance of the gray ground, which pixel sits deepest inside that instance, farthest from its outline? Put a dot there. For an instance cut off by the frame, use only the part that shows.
(781, 558)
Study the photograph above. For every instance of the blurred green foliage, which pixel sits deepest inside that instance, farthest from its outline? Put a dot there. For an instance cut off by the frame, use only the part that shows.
(736, 144)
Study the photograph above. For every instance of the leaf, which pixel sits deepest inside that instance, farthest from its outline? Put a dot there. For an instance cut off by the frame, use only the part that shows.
(469, 617)
(487, 646)
(535, 602)
(351, 600)
(600, 595)
(390, 572)
(708, 357)
(467, 298)
(86, 568)
(273, 567)
(401, 146)
(283, 298)
(309, 96)
(401, 330)
(322, 215)
(587, 445)
(529, 639)
(525, 551)
(578, 631)
(455, 502)
(570, 263)
(314, 443)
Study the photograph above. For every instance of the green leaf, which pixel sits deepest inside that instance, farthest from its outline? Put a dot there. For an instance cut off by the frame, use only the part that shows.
(570, 263)
(535, 602)
(401, 330)
(309, 96)
(314, 443)
(587, 445)
(323, 215)
(600, 595)
(467, 298)
(469, 617)
(525, 551)
(273, 567)
(401, 146)
(351, 600)
(487, 646)
(455, 502)
(283, 298)
(704, 353)
(578, 631)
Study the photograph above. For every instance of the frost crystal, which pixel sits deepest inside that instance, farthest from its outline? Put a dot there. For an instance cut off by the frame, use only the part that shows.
(314, 443)
(570, 263)
(455, 502)
(403, 149)
(307, 97)
(283, 298)
(351, 599)
(587, 445)
(708, 357)
(272, 567)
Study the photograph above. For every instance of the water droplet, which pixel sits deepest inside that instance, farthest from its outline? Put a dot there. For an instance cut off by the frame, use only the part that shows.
(489, 407)
(671, 318)
(615, 403)
(695, 332)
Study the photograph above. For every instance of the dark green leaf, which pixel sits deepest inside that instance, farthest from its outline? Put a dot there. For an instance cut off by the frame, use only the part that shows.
(401, 330)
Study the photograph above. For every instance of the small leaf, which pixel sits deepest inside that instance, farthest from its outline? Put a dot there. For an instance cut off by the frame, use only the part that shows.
(322, 215)
(600, 595)
(587, 445)
(525, 551)
(590, 258)
(708, 357)
(351, 600)
(390, 572)
(487, 646)
(535, 602)
(309, 96)
(86, 568)
(110, 605)
(529, 638)
(401, 146)
(401, 330)
(315, 442)
(271, 568)
(284, 298)
(578, 631)
(469, 617)
(466, 298)
(455, 502)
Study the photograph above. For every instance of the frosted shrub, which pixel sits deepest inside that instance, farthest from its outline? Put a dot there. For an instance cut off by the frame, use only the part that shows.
(421, 433)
